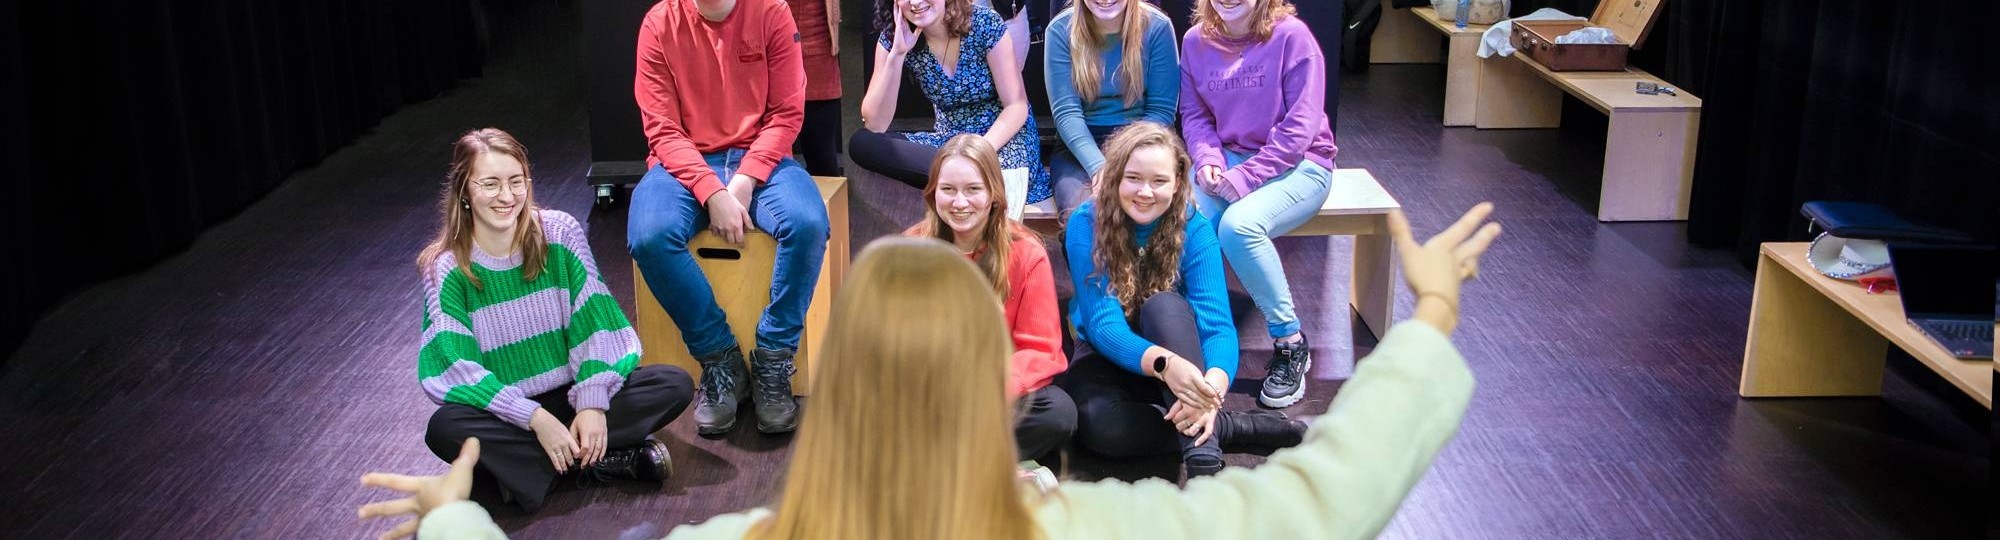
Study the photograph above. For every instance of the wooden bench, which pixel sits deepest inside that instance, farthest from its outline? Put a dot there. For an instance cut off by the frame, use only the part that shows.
(743, 287)
(1356, 205)
(1410, 34)
(1811, 335)
(1648, 148)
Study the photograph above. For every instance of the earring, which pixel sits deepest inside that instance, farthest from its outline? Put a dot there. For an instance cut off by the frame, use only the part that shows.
(462, 203)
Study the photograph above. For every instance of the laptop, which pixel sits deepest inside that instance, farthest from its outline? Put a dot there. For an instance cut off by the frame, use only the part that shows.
(1946, 292)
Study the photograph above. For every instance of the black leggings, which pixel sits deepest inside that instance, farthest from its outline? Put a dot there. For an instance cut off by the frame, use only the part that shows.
(892, 155)
(1044, 421)
(1119, 413)
(819, 138)
(512, 461)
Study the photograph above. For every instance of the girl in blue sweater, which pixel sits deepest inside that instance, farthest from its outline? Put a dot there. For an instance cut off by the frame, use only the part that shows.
(1098, 84)
(1158, 347)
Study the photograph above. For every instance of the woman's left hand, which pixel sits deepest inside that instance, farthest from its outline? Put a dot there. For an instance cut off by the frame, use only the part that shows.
(426, 492)
(588, 428)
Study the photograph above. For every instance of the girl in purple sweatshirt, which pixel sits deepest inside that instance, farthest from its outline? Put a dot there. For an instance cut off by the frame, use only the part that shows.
(1253, 87)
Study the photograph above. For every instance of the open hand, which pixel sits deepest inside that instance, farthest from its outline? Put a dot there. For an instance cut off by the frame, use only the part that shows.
(1440, 264)
(426, 493)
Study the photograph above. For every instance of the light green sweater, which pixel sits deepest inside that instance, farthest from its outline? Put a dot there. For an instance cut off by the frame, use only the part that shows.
(1345, 481)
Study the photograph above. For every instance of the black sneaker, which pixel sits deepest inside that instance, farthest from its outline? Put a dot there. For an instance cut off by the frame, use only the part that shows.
(1286, 383)
(722, 389)
(646, 462)
(777, 409)
(1259, 429)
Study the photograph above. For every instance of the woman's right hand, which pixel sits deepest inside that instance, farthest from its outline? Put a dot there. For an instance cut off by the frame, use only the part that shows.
(1437, 267)
(1210, 176)
(555, 439)
(1188, 384)
(905, 36)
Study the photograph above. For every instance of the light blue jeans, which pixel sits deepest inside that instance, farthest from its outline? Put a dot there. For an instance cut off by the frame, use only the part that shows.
(1247, 226)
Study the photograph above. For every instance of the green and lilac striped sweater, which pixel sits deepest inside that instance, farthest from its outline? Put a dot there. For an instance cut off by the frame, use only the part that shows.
(493, 347)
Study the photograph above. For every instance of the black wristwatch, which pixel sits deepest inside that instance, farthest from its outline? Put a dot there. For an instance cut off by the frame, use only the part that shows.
(1160, 365)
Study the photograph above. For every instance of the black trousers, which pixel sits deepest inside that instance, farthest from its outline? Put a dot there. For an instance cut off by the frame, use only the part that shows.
(511, 460)
(1120, 413)
(1044, 422)
(819, 138)
(1067, 176)
(892, 155)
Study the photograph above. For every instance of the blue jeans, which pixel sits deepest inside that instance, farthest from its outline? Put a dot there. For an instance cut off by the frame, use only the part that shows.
(1247, 226)
(664, 215)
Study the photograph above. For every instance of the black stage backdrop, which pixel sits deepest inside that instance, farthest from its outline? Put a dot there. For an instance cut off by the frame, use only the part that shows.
(133, 125)
(1886, 102)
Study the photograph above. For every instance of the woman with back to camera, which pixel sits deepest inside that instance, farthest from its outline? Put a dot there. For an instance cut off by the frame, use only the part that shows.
(907, 436)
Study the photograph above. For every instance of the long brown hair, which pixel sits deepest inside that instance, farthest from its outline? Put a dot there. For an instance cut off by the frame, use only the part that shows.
(1086, 40)
(913, 331)
(957, 16)
(1133, 274)
(455, 232)
(1260, 26)
(997, 236)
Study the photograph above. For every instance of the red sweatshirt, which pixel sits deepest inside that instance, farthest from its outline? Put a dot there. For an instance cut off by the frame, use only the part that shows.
(705, 86)
(1032, 318)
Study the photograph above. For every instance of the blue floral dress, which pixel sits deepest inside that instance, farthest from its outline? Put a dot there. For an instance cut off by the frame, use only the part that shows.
(967, 102)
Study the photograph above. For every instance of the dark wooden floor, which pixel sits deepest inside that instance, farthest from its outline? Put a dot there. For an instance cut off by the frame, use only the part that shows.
(240, 388)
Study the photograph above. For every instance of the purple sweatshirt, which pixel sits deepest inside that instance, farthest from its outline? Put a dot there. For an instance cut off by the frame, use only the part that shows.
(1266, 99)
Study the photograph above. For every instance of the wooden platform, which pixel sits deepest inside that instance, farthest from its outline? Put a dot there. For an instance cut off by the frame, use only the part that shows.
(1462, 65)
(1649, 146)
(1811, 335)
(741, 279)
(1355, 205)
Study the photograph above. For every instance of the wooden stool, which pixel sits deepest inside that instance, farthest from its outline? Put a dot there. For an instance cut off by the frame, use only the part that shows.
(741, 278)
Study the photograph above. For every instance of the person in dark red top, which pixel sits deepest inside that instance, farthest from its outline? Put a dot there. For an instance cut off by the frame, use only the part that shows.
(964, 205)
(721, 91)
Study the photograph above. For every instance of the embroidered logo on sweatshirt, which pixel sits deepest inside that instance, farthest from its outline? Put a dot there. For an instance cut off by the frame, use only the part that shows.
(1251, 76)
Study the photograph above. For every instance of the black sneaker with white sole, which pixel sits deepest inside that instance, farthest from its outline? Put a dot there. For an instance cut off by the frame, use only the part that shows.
(1286, 382)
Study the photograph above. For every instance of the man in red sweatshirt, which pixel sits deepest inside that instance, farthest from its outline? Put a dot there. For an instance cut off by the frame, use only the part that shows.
(721, 93)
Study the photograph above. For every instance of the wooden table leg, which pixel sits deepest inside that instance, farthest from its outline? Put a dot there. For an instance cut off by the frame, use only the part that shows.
(1373, 292)
(1402, 39)
(1512, 96)
(1802, 344)
(1461, 81)
(1648, 165)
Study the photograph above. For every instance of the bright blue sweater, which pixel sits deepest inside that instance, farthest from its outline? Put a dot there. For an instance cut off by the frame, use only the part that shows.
(1074, 118)
(1101, 320)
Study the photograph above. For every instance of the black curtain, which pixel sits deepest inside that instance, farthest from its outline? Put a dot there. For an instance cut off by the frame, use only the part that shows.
(1885, 102)
(140, 123)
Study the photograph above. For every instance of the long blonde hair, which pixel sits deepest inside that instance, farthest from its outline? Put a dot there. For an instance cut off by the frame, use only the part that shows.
(1086, 41)
(455, 232)
(1133, 274)
(997, 237)
(909, 434)
(1260, 27)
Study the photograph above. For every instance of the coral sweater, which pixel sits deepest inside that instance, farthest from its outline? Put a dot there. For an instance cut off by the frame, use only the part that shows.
(1032, 318)
(706, 86)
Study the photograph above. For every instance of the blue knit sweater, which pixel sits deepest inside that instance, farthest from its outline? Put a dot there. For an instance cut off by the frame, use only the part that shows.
(1101, 320)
